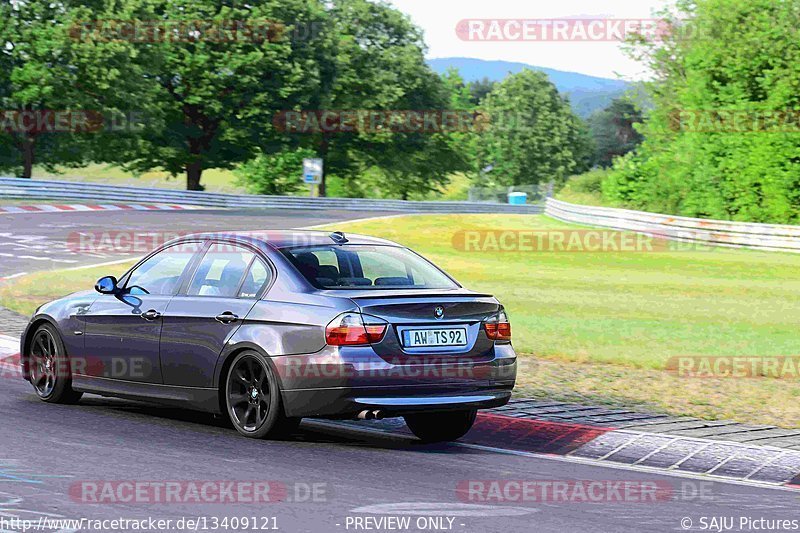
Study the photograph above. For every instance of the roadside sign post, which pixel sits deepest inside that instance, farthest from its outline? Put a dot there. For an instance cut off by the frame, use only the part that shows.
(312, 173)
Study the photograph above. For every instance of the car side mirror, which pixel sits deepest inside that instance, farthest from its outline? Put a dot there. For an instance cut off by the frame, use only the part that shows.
(106, 285)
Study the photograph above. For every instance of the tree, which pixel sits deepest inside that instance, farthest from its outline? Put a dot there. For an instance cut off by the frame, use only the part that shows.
(531, 135)
(416, 163)
(722, 138)
(373, 64)
(613, 131)
(54, 107)
(210, 92)
(478, 90)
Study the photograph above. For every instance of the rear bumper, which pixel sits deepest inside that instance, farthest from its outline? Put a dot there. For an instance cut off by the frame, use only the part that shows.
(347, 403)
(340, 383)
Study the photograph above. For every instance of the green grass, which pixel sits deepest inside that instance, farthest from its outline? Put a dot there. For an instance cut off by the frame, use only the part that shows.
(754, 401)
(215, 180)
(25, 293)
(632, 308)
(602, 325)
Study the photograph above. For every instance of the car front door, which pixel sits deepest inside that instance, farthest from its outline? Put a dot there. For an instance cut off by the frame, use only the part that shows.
(123, 330)
(202, 317)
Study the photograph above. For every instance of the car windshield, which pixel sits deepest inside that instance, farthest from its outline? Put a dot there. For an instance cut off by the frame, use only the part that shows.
(367, 267)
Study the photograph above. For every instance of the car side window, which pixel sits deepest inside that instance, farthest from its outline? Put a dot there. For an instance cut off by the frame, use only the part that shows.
(257, 277)
(162, 272)
(221, 271)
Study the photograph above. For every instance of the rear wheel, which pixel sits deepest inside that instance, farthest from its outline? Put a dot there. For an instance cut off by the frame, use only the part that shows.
(441, 427)
(253, 398)
(50, 372)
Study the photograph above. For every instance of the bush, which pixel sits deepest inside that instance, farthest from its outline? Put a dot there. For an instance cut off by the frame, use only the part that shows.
(694, 161)
(589, 182)
(276, 174)
(584, 188)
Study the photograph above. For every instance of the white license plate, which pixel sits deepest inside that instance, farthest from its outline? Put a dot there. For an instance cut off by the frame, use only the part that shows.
(413, 338)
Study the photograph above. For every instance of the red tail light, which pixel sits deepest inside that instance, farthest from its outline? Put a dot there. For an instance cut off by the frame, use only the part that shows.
(498, 327)
(350, 329)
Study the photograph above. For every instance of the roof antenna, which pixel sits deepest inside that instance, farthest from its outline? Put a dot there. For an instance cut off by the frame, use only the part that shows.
(338, 237)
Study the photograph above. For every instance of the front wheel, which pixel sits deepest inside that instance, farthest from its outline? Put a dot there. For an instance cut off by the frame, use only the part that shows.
(50, 372)
(441, 427)
(253, 398)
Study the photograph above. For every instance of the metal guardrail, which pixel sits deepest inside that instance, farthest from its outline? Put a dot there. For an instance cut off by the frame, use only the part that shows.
(771, 237)
(17, 188)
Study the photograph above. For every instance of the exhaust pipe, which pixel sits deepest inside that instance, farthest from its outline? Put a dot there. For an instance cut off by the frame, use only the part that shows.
(371, 415)
(365, 415)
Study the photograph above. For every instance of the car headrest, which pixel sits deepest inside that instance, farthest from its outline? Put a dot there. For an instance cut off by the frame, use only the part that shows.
(307, 259)
(328, 271)
(232, 273)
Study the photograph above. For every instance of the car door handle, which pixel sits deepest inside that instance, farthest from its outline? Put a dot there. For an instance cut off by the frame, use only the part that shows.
(226, 318)
(152, 314)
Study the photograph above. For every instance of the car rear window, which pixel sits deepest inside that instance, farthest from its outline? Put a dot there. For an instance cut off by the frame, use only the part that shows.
(367, 267)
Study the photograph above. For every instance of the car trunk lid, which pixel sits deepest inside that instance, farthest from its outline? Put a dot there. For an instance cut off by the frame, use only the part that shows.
(417, 310)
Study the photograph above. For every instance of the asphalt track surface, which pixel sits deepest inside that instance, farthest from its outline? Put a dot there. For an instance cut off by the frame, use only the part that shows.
(356, 475)
(42, 241)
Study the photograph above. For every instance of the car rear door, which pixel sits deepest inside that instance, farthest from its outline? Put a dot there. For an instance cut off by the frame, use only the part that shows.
(210, 307)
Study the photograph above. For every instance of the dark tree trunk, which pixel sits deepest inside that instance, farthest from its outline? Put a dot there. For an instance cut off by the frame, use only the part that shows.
(323, 153)
(28, 145)
(194, 171)
(194, 118)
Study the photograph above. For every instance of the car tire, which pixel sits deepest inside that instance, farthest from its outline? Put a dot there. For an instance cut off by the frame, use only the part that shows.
(50, 371)
(253, 398)
(441, 427)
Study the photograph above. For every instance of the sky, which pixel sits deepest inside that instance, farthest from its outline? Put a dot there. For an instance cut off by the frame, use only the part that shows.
(439, 19)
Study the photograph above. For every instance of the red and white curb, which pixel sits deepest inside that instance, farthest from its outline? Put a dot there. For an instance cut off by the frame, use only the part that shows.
(681, 455)
(690, 457)
(52, 208)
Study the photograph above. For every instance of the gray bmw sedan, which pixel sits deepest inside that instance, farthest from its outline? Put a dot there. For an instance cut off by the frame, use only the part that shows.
(269, 327)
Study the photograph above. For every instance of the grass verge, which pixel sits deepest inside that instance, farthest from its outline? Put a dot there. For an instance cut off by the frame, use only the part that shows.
(25, 293)
(754, 400)
(214, 180)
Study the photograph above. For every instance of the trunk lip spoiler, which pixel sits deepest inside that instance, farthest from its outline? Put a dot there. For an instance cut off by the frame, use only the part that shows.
(399, 295)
